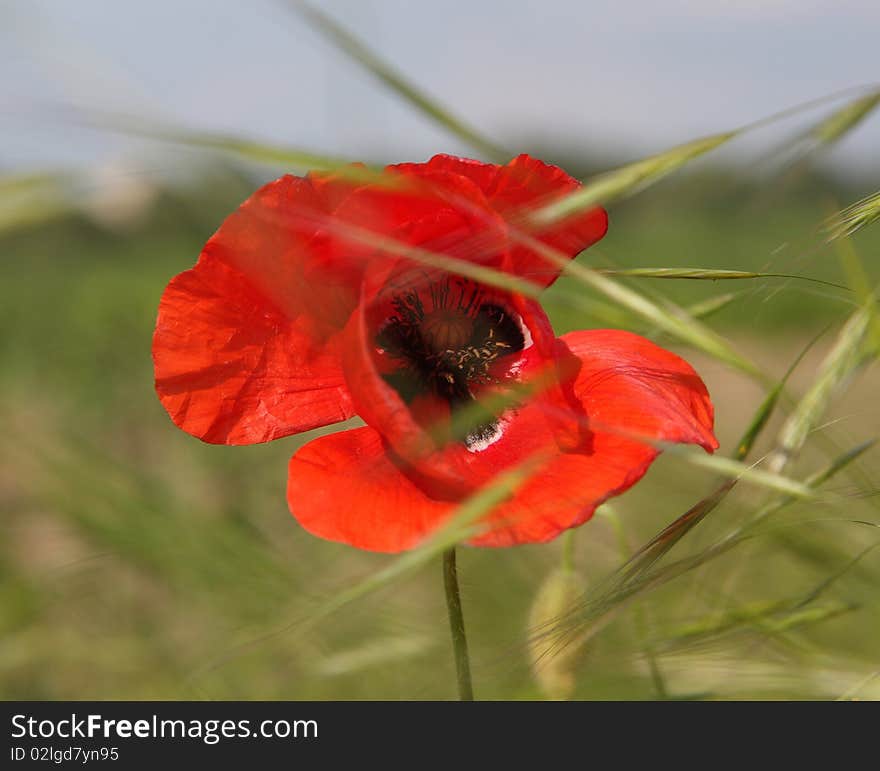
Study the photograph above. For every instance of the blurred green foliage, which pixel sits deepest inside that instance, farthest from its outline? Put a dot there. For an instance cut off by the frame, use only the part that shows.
(137, 562)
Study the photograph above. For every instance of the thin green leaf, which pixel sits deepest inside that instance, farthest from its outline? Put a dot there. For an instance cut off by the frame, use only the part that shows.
(252, 150)
(796, 619)
(466, 268)
(32, 199)
(699, 310)
(731, 468)
(660, 544)
(771, 619)
(337, 34)
(261, 152)
(826, 583)
(711, 305)
(845, 119)
(765, 410)
(831, 129)
(705, 274)
(628, 179)
(748, 530)
(854, 217)
(592, 312)
(610, 315)
(673, 320)
(840, 462)
(841, 362)
(609, 596)
(462, 524)
(858, 278)
(638, 175)
(11, 184)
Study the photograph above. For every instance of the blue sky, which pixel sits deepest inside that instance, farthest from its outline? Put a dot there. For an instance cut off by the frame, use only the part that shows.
(630, 77)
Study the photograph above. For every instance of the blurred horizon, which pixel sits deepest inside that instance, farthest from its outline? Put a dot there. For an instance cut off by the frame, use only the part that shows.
(600, 80)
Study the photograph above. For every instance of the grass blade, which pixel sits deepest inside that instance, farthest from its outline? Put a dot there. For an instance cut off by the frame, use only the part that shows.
(660, 545)
(462, 524)
(858, 278)
(705, 274)
(395, 80)
(674, 321)
(711, 305)
(252, 150)
(770, 619)
(845, 119)
(765, 410)
(32, 199)
(845, 357)
(628, 179)
(611, 594)
(747, 531)
(854, 217)
(636, 176)
(832, 129)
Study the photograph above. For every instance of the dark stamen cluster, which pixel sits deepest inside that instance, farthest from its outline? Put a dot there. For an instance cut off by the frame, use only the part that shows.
(451, 348)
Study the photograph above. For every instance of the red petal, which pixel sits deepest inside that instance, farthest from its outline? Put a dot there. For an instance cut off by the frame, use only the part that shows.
(515, 191)
(481, 174)
(524, 186)
(566, 491)
(246, 347)
(628, 386)
(344, 487)
(435, 210)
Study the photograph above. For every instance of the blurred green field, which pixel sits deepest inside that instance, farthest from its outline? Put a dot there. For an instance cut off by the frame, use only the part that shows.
(139, 563)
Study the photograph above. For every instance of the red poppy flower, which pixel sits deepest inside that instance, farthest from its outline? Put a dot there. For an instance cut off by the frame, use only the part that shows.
(315, 302)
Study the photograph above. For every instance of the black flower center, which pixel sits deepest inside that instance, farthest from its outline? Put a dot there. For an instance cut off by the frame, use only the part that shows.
(449, 340)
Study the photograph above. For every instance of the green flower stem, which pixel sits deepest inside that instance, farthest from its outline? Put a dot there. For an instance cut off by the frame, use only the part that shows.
(456, 625)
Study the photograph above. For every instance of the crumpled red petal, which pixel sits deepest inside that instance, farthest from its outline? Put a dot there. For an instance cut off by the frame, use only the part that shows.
(246, 347)
(271, 334)
(527, 184)
(517, 190)
(435, 210)
(345, 487)
(633, 387)
(628, 388)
